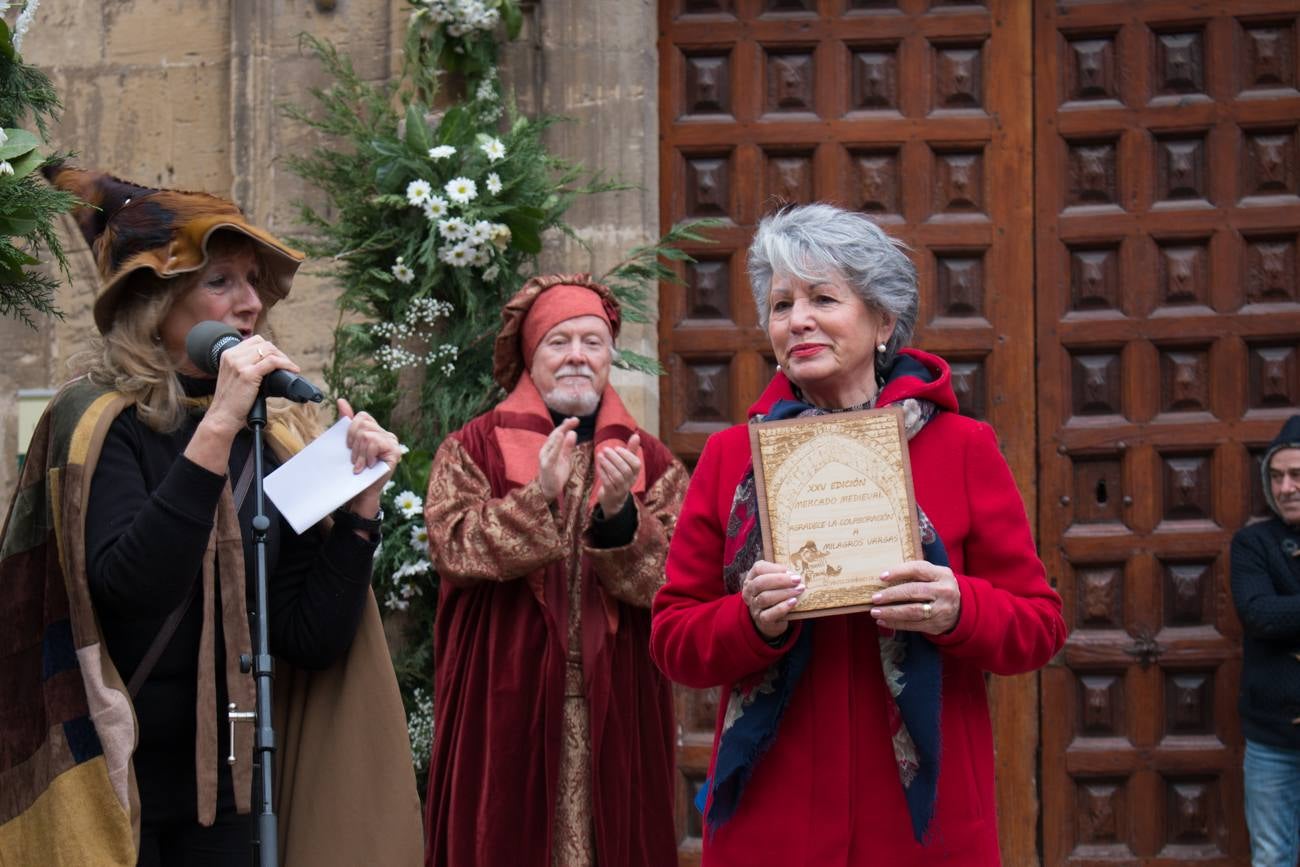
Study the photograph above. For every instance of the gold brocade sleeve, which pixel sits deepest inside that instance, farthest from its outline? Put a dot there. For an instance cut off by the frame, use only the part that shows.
(634, 572)
(474, 537)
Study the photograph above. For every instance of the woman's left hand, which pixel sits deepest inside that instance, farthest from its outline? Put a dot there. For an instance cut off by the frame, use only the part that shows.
(369, 444)
(921, 597)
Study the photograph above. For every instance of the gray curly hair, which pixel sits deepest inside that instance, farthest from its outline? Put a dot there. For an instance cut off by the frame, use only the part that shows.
(810, 241)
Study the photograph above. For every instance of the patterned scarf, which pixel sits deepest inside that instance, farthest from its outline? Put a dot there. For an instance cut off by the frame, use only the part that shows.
(911, 664)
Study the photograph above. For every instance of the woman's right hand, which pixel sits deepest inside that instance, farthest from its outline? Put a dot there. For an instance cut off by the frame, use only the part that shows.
(239, 376)
(770, 592)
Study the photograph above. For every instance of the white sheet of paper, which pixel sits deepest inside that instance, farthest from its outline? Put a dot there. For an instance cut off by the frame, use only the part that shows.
(319, 479)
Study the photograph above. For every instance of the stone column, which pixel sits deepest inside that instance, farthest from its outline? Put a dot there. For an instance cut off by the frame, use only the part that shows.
(267, 70)
(599, 66)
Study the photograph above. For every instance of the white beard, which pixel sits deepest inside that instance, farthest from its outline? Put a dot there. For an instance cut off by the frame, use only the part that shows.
(567, 402)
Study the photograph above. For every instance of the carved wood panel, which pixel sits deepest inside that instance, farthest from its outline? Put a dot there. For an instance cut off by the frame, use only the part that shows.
(1166, 297)
(1167, 312)
(916, 112)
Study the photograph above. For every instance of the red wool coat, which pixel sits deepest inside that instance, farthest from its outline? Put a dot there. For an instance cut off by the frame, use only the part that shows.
(827, 792)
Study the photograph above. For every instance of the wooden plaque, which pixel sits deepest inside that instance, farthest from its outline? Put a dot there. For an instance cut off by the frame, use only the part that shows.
(836, 503)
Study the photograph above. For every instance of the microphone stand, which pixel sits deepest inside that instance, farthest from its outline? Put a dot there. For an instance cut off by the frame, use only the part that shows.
(260, 664)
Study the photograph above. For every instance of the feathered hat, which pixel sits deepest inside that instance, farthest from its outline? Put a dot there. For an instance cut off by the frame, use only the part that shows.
(131, 227)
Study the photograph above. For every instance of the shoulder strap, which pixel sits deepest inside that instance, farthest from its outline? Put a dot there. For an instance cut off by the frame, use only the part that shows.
(173, 621)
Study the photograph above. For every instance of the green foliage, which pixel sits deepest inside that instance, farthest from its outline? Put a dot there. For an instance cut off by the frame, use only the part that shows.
(29, 208)
(424, 274)
(435, 211)
(633, 279)
(456, 36)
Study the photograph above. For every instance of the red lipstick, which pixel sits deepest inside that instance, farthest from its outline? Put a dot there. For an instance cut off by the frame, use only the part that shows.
(806, 350)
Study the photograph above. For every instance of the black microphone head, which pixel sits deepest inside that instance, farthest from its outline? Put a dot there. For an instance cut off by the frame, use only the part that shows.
(282, 383)
(206, 341)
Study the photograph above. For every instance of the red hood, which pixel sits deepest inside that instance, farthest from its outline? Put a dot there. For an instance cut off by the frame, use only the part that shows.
(901, 387)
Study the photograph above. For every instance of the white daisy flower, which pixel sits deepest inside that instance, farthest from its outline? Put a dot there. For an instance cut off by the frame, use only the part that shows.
(481, 257)
(453, 229)
(494, 183)
(494, 149)
(420, 538)
(457, 256)
(435, 208)
(461, 190)
(419, 567)
(441, 152)
(402, 272)
(490, 274)
(409, 504)
(418, 192)
(479, 233)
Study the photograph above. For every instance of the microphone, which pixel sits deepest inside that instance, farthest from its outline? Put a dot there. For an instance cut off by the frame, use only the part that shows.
(207, 340)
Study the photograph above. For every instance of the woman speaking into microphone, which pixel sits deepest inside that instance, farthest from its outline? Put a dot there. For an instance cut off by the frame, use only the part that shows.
(144, 464)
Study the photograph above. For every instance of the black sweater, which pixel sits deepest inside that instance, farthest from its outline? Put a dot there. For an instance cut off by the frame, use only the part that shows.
(150, 513)
(1266, 590)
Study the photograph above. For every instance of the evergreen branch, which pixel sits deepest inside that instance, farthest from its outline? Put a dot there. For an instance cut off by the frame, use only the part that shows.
(629, 360)
(26, 93)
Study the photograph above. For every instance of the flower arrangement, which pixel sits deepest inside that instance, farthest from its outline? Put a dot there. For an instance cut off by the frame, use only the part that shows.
(28, 207)
(436, 213)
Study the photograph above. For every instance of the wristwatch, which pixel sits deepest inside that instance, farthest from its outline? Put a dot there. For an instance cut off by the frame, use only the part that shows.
(352, 521)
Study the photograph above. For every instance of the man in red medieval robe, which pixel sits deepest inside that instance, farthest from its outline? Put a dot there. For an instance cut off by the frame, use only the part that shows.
(549, 519)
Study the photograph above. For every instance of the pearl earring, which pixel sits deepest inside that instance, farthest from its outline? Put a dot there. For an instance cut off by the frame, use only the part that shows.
(880, 347)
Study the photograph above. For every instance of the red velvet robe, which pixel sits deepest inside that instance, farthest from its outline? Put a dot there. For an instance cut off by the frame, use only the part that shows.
(827, 792)
(506, 559)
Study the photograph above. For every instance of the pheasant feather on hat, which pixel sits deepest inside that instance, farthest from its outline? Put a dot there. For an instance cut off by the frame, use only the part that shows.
(130, 227)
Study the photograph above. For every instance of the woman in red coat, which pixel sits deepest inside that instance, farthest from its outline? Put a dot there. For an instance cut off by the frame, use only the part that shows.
(860, 738)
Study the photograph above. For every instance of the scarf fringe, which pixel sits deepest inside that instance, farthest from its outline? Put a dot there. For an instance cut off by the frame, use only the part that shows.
(789, 670)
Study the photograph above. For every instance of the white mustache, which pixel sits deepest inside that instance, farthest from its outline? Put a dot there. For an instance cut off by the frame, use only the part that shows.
(575, 370)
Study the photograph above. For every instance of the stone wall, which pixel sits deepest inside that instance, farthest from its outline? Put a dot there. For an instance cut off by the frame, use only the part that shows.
(599, 67)
(184, 93)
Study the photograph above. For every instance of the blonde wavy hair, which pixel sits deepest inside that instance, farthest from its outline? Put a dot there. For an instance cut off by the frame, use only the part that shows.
(131, 358)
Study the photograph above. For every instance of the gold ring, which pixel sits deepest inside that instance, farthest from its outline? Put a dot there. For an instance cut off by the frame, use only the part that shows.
(926, 610)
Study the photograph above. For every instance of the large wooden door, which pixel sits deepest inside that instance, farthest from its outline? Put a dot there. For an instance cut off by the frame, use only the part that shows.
(917, 112)
(1167, 215)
